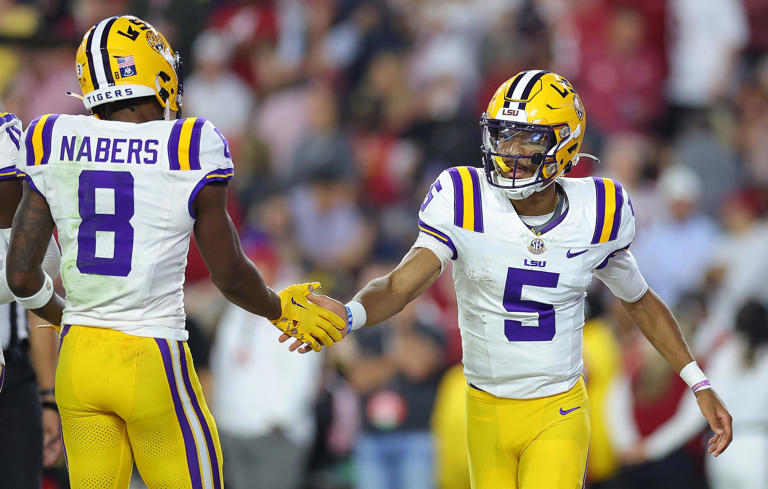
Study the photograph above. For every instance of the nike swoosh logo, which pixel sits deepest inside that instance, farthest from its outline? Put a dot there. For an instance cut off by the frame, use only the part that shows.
(293, 301)
(568, 411)
(571, 255)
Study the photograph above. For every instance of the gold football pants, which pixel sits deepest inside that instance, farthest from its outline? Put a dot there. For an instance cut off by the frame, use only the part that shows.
(528, 443)
(124, 398)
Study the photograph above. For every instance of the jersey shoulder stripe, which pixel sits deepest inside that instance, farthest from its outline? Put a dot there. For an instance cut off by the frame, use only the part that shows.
(609, 203)
(184, 144)
(467, 203)
(9, 122)
(38, 140)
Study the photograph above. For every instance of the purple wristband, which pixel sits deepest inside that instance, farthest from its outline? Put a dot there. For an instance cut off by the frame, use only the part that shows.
(697, 387)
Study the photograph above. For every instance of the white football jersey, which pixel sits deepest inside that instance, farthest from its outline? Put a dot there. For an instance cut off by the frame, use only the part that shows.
(521, 294)
(122, 197)
(10, 137)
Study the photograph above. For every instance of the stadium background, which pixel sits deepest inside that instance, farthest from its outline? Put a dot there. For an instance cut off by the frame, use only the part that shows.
(340, 113)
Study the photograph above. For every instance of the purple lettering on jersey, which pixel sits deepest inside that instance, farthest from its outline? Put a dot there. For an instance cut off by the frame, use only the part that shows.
(513, 302)
(151, 151)
(85, 149)
(117, 150)
(436, 187)
(134, 150)
(67, 148)
(223, 140)
(102, 149)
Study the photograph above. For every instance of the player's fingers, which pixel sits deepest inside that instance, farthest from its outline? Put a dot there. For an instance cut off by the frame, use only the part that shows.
(727, 435)
(283, 338)
(305, 349)
(318, 333)
(296, 344)
(327, 315)
(313, 286)
(334, 332)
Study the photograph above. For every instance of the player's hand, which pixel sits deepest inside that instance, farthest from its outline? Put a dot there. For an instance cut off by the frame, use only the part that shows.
(309, 323)
(326, 303)
(52, 446)
(719, 419)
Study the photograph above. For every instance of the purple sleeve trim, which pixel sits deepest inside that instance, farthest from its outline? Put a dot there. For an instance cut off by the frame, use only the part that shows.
(610, 255)
(223, 140)
(14, 133)
(220, 175)
(29, 144)
(440, 236)
(8, 173)
(31, 183)
(47, 131)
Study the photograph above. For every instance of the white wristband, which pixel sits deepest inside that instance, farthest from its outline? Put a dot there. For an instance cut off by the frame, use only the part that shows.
(357, 315)
(694, 377)
(39, 298)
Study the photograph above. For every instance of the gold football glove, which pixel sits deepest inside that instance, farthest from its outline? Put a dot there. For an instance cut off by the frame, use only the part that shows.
(308, 322)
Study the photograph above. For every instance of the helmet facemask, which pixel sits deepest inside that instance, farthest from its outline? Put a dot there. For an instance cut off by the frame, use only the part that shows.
(519, 158)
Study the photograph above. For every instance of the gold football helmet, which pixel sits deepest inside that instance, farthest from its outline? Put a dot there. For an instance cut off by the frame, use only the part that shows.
(544, 115)
(125, 57)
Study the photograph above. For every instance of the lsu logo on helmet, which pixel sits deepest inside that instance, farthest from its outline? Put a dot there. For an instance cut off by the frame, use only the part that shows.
(543, 110)
(125, 57)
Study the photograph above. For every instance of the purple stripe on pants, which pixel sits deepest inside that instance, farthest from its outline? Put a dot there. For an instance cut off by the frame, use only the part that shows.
(600, 209)
(186, 431)
(458, 197)
(203, 422)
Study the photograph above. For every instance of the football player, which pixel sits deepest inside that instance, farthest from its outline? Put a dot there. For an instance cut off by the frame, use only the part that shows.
(10, 195)
(525, 243)
(125, 187)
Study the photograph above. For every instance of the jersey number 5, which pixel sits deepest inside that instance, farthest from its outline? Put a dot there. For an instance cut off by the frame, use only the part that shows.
(120, 186)
(513, 302)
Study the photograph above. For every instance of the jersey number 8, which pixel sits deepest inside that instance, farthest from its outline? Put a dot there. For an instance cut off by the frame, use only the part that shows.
(92, 222)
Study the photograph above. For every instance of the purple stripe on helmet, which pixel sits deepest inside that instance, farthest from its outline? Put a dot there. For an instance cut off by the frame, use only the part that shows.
(214, 460)
(458, 197)
(47, 131)
(173, 145)
(478, 204)
(194, 144)
(617, 212)
(424, 227)
(222, 175)
(186, 431)
(12, 135)
(29, 144)
(600, 208)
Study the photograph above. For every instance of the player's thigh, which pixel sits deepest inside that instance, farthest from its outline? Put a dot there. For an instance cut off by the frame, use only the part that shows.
(97, 450)
(490, 466)
(557, 457)
(89, 383)
(174, 437)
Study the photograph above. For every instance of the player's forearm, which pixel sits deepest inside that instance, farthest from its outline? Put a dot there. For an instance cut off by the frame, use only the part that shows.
(381, 300)
(43, 347)
(245, 287)
(657, 323)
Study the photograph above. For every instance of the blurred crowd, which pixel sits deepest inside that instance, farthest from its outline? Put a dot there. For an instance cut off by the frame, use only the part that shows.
(341, 113)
